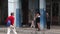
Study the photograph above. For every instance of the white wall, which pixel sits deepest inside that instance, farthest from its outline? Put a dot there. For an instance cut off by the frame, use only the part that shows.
(12, 8)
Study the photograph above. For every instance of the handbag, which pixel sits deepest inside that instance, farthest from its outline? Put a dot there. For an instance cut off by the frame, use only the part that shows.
(8, 23)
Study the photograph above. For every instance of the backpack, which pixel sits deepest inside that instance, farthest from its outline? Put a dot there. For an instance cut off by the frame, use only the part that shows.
(8, 23)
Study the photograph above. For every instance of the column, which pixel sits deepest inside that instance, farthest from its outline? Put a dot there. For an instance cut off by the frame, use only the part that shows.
(18, 13)
(42, 7)
(12, 8)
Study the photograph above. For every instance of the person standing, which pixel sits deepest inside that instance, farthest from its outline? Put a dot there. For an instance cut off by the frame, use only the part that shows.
(48, 21)
(10, 26)
(38, 21)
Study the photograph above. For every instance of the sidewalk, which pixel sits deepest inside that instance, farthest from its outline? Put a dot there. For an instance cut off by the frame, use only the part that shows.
(31, 31)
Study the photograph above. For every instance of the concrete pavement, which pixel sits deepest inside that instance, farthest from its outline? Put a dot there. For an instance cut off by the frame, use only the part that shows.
(3, 30)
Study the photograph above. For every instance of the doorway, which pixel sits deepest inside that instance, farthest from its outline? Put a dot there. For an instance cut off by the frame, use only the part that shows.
(25, 12)
(3, 11)
(53, 8)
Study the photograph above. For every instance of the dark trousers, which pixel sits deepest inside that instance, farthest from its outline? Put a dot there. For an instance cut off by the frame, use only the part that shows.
(36, 26)
(48, 25)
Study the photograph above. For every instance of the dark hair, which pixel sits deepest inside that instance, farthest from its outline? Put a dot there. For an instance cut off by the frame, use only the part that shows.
(12, 14)
(38, 13)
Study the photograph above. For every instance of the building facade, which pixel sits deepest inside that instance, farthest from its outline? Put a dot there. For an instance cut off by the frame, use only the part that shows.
(25, 9)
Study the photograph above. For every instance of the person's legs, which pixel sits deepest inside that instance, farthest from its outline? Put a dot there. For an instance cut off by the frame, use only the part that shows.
(14, 30)
(32, 24)
(8, 30)
(38, 26)
(48, 25)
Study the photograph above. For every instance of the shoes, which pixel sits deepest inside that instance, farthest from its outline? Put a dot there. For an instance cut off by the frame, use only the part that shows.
(38, 29)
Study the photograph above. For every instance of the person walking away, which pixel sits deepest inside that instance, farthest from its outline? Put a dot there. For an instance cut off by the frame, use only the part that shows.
(10, 24)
